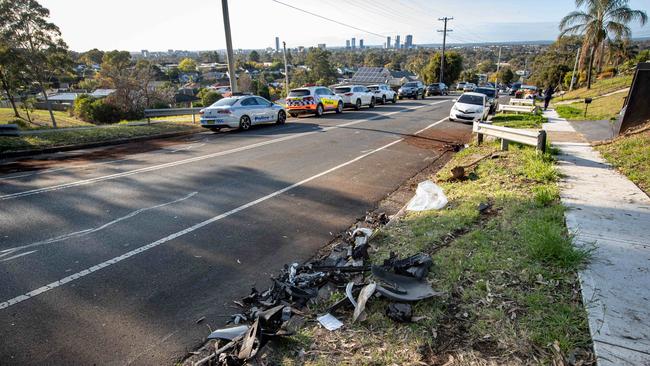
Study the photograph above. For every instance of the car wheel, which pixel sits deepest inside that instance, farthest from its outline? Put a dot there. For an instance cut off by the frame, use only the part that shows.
(372, 103)
(294, 115)
(357, 105)
(319, 110)
(395, 99)
(423, 96)
(400, 98)
(282, 118)
(383, 99)
(245, 123)
(339, 108)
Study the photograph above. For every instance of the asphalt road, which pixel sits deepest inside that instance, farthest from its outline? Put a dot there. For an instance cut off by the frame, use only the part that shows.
(111, 258)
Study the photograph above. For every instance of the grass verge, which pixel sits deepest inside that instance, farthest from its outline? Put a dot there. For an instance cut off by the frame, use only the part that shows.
(518, 120)
(600, 109)
(509, 275)
(631, 155)
(41, 119)
(600, 87)
(63, 138)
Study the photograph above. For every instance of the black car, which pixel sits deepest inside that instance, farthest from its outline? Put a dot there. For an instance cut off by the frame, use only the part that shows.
(412, 89)
(513, 89)
(437, 89)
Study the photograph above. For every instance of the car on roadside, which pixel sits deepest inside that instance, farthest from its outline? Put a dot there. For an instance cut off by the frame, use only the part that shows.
(470, 107)
(526, 92)
(460, 86)
(513, 88)
(437, 89)
(469, 87)
(355, 96)
(243, 112)
(383, 93)
(493, 97)
(412, 89)
(314, 100)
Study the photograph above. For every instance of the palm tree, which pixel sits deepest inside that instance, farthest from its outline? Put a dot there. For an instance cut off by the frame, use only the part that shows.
(598, 23)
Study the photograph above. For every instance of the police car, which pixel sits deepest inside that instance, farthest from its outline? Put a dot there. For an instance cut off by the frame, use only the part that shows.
(313, 100)
(241, 111)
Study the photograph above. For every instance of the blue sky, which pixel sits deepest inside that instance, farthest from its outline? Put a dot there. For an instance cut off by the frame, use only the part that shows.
(197, 24)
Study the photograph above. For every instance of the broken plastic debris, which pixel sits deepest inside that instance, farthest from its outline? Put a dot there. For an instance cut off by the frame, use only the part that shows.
(401, 288)
(229, 333)
(417, 265)
(330, 322)
(348, 293)
(428, 196)
(400, 312)
(364, 295)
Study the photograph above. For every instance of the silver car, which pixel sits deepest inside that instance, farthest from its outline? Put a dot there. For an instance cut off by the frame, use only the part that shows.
(241, 112)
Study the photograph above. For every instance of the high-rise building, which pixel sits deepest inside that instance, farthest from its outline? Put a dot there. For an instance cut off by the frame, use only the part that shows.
(354, 43)
(388, 42)
(277, 44)
(145, 53)
(409, 41)
(361, 43)
(347, 44)
(397, 42)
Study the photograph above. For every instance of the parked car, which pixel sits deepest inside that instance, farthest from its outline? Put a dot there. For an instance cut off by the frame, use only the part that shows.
(313, 100)
(493, 97)
(526, 92)
(437, 89)
(383, 93)
(412, 89)
(469, 87)
(241, 112)
(470, 107)
(460, 86)
(513, 88)
(355, 96)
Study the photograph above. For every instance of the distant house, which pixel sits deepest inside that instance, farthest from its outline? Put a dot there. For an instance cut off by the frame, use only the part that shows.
(189, 77)
(398, 78)
(102, 93)
(381, 75)
(67, 98)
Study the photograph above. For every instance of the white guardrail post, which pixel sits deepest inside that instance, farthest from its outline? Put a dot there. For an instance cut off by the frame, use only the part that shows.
(507, 134)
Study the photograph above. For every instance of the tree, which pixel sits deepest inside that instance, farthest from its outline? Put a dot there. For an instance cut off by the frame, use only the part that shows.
(92, 57)
(322, 71)
(254, 56)
(453, 68)
(601, 20)
(549, 67)
(187, 65)
(506, 75)
(10, 65)
(25, 29)
(469, 76)
(487, 66)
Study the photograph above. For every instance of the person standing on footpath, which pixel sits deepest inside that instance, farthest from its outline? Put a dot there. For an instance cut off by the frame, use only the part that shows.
(548, 95)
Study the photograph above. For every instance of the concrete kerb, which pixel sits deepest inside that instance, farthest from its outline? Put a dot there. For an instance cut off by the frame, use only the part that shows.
(50, 150)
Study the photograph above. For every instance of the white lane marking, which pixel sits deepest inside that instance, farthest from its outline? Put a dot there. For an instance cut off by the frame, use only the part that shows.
(198, 158)
(110, 262)
(85, 232)
(19, 255)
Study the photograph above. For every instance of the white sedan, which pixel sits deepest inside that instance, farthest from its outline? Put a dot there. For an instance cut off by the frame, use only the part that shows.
(241, 112)
(470, 107)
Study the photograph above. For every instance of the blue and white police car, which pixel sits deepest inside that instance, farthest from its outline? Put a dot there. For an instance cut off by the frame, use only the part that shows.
(242, 111)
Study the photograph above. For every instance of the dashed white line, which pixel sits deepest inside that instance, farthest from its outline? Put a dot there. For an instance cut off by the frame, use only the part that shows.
(198, 158)
(102, 265)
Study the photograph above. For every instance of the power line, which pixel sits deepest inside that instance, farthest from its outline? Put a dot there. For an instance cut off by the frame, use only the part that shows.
(329, 19)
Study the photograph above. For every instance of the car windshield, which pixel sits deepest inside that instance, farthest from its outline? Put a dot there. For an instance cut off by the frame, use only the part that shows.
(411, 85)
(373, 88)
(487, 91)
(341, 90)
(225, 101)
(470, 99)
(434, 86)
(299, 93)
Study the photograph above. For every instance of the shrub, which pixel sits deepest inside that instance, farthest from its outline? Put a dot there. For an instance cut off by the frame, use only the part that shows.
(103, 112)
(83, 107)
(210, 97)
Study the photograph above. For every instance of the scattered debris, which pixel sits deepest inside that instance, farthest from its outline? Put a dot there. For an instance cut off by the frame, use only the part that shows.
(364, 295)
(330, 322)
(484, 206)
(401, 288)
(229, 333)
(428, 196)
(415, 266)
(400, 312)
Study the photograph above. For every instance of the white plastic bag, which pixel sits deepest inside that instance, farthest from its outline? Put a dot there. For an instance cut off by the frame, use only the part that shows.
(428, 196)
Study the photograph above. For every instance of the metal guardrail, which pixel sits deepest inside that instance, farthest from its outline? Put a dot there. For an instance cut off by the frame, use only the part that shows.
(168, 112)
(9, 130)
(507, 134)
(519, 101)
(518, 108)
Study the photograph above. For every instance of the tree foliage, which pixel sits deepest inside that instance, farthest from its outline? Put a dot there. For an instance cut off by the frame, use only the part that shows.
(187, 65)
(321, 70)
(453, 68)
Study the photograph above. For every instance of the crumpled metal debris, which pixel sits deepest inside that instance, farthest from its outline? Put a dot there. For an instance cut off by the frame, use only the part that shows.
(399, 312)
(417, 265)
(364, 295)
(229, 333)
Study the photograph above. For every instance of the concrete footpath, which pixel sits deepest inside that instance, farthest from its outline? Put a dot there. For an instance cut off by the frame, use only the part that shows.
(610, 215)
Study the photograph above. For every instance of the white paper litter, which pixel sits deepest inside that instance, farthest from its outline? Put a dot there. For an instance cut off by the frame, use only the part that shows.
(330, 322)
(428, 196)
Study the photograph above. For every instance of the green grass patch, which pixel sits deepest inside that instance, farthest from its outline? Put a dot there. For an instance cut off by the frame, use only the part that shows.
(63, 137)
(600, 87)
(631, 155)
(603, 108)
(518, 120)
(509, 276)
(40, 119)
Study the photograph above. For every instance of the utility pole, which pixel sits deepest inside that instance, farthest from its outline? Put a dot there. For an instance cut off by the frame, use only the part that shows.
(444, 44)
(229, 53)
(286, 69)
(575, 67)
(496, 77)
